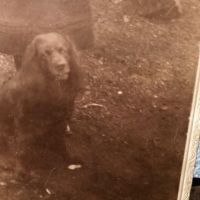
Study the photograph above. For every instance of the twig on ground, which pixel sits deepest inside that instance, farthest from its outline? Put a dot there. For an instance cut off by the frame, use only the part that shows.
(94, 105)
(50, 173)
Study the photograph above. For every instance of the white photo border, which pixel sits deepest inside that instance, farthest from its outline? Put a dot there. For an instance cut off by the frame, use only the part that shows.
(192, 141)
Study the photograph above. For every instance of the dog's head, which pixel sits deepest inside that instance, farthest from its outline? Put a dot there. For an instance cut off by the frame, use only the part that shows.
(53, 53)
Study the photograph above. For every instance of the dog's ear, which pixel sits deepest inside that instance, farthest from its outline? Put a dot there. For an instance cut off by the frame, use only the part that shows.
(73, 54)
(75, 70)
(30, 55)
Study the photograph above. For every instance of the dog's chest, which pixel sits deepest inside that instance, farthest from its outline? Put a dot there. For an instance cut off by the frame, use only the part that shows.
(48, 103)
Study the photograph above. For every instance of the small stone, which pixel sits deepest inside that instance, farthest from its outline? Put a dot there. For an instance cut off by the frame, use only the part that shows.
(126, 18)
(87, 93)
(155, 36)
(3, 184)
(13, 181)
(116, 1)
(48, 191)
(119, 92)
(100, 61)
(164, 108)
(125, 142)
(154, 106)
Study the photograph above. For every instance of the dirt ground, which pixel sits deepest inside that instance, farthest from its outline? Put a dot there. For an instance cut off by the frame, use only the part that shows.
(129, 126)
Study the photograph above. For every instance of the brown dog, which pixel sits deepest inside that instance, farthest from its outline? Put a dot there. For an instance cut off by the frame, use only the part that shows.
(37, 104)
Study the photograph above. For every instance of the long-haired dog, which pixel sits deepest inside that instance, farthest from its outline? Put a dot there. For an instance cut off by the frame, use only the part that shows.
(37, 103)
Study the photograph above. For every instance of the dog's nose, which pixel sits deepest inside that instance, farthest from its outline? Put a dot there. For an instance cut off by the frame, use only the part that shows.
(61, 66)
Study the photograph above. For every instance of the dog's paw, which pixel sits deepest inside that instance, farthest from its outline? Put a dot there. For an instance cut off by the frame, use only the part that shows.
(68, 130)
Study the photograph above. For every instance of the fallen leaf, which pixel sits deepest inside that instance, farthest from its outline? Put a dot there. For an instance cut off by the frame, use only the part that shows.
(74, 167)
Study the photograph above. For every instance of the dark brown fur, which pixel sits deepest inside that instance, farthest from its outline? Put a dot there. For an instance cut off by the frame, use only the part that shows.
(37, 103)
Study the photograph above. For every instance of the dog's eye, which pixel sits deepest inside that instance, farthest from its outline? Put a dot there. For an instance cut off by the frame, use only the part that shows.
(61, 50)
(47, 52)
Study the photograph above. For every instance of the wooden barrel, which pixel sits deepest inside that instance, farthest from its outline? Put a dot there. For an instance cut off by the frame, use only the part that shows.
(21, 20)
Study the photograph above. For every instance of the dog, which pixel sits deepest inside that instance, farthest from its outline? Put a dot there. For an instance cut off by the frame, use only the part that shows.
(37, 103)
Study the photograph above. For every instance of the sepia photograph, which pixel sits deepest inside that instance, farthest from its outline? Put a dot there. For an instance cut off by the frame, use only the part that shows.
(99, 100)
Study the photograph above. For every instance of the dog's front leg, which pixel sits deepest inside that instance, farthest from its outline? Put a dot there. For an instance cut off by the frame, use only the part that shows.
(69, 112)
